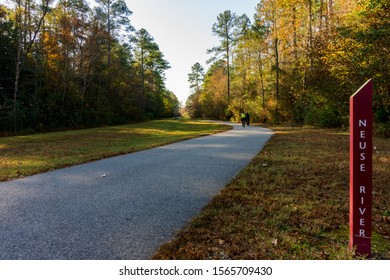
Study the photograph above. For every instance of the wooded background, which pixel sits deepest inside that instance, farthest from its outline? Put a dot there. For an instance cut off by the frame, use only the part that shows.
(297, 61)
(65, 63)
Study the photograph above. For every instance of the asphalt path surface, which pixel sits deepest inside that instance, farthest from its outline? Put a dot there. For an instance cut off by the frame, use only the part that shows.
(123, 207)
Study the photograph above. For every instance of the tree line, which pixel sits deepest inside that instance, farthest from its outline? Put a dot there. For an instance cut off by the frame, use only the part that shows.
(297, 61)
(77, 63)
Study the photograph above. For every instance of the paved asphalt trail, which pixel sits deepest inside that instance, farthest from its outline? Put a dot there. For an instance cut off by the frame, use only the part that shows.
(122, 207)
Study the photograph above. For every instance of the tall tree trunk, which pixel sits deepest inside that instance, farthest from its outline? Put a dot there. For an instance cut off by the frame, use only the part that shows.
(277, 70)
(276, 50)
(23, 47)
(143, 98)
(310, 39)
(228, 76)
(109, 33)
(16, 89)
(261, 80)
(18, 60)
(228, 64)
(295, 36)
(330, 13)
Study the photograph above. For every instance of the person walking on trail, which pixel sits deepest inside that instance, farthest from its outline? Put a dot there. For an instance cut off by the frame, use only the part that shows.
(247, 118)
(243, 119)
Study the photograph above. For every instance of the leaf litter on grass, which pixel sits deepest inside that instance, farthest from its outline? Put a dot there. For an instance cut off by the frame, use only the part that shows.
(291, 202)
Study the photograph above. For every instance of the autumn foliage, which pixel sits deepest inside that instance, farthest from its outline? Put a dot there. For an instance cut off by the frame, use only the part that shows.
(299, 62)
(67, 63)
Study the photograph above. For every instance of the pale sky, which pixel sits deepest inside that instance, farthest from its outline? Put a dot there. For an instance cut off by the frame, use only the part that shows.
(182, 29)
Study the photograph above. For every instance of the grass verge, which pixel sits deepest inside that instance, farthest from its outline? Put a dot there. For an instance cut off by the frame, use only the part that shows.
(291, 202)
(26, 155)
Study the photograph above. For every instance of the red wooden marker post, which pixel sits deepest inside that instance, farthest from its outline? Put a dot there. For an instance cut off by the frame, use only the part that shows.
(360, 186)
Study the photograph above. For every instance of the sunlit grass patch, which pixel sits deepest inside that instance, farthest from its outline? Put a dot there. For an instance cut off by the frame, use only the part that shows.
(25, 155)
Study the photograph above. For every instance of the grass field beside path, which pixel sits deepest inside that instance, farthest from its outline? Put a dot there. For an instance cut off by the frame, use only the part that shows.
(291, 202)
(26, 155)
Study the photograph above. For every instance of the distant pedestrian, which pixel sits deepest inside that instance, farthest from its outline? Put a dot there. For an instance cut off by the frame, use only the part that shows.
(243, 119)
(247, 118)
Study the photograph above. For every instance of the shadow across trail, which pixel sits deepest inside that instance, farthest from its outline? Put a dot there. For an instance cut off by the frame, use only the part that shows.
(123, 207)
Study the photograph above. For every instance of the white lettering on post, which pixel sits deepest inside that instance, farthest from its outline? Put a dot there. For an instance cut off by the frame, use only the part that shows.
(362, 146)
(362, 157)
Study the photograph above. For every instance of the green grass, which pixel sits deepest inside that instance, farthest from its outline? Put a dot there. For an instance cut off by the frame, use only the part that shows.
(291, 202)
(26, 155)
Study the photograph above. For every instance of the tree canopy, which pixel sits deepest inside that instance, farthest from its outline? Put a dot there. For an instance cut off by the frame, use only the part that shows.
(299, 62)
(66, 64)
